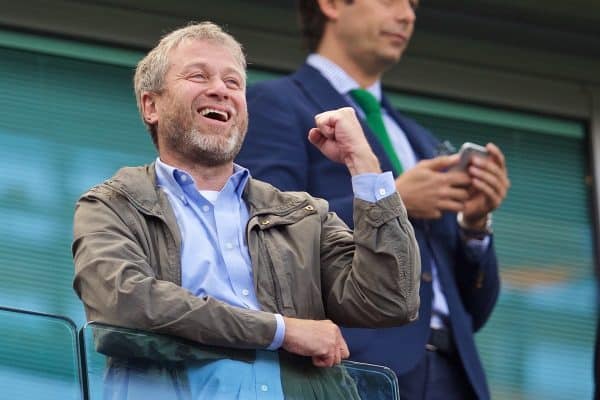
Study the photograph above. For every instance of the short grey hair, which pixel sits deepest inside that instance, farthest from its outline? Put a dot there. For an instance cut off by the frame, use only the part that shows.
(151, 70)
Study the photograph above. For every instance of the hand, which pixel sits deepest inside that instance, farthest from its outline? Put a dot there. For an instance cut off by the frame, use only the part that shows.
(429, 189)
(490, 185)
(321, 340)
(339, 136)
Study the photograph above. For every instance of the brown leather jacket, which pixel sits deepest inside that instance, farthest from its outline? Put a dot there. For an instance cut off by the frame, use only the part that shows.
(306, 263)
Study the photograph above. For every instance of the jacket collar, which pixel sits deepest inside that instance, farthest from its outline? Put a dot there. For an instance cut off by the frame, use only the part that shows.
(263, 198)
(138, 184)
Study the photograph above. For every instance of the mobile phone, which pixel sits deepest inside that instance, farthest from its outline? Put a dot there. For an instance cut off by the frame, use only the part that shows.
(467, 151)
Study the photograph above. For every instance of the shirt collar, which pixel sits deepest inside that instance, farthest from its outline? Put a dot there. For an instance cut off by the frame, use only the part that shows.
(178, 181)
(339, 79)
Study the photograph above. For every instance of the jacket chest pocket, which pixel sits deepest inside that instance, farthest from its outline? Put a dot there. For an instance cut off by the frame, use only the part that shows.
(286, 262)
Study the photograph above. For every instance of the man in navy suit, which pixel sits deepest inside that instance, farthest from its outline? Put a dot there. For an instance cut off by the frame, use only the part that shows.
(352, 43)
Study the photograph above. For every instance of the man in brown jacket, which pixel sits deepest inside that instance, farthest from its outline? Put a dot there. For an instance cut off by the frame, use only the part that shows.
(192, 246)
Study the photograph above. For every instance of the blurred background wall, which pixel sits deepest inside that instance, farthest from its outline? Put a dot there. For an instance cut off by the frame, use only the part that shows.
(525, 75)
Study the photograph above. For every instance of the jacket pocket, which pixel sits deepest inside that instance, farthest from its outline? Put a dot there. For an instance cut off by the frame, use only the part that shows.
(288, 261)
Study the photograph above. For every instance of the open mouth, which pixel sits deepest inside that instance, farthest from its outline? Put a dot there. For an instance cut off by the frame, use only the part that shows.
(213, 113)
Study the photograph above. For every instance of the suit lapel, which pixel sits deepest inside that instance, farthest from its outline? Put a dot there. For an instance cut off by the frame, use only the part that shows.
(324, 96)
(413, 133)
(318, 89)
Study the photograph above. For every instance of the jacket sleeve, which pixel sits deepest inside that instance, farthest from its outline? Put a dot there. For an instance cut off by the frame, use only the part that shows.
(478, 282)
(119, 286)
(371, 278)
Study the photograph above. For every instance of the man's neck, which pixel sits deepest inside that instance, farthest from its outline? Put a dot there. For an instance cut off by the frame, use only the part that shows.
(206, 177)
(362, 75)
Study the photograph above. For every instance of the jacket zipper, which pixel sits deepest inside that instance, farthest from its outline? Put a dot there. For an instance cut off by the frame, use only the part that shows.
(275, 283)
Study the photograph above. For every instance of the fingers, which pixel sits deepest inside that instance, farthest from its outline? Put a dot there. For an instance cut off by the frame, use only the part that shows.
(490, 183)
(319, 361)
(320, 340)
(339, 136)
(441, 163)
(450, 205)
(456, 179)
(336, 353)
(316, 137)
(452, 198)
(496, 154)
(344, 351)
(497, 167)
(490, 177)
(326, 121)
(493, 199)
(341, 350)
(333, 358)
(427, 193)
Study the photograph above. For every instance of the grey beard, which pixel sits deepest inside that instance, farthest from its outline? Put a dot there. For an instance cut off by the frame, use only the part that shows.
(207, 149)
(212, 150)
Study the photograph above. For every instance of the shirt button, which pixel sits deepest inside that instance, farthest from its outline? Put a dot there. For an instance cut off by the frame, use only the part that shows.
(264, 388)
(382, 192)
(229, 245)
(245, 292)
(183, 178)
(205, 208)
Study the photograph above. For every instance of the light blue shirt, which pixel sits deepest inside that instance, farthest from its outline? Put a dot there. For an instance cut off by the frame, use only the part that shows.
(214, 257)
(215, 262)
(343, 84)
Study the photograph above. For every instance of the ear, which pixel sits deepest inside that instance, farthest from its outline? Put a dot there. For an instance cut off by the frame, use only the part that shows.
(149, 109)
(330, 8)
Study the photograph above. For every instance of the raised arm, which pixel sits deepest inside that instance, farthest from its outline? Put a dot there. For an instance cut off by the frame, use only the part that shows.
(377, 284)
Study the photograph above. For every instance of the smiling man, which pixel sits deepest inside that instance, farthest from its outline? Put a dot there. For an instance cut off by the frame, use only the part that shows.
(191, 245)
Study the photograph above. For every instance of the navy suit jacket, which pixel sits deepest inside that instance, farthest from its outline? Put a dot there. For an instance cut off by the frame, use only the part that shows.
(277, 150)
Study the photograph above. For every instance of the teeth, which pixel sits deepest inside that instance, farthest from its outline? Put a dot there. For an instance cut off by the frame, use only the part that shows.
(204, 112)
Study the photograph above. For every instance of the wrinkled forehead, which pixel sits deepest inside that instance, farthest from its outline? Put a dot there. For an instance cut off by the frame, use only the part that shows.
(190, 50)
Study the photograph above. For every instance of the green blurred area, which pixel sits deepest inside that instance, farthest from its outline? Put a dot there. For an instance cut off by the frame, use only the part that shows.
(67, 124)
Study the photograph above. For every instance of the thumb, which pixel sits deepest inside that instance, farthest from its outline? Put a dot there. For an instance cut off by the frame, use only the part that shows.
(442, 163)
(315, 136)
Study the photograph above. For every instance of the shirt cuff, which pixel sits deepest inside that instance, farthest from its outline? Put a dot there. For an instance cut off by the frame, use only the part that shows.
(279, 333)
(477, 246)
(373, 187)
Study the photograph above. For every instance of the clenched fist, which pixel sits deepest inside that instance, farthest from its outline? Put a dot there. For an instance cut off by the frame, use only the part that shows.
(320, 340)
(339, 136)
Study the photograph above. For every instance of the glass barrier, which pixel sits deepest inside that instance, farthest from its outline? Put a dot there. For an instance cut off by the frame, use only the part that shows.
(39, 357)
(129, 364)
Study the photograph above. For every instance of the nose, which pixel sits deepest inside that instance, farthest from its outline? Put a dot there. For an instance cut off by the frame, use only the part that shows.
(217, 88)
(405, 11)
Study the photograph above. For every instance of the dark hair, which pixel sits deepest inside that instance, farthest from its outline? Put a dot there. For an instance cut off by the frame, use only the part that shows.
(312, 23)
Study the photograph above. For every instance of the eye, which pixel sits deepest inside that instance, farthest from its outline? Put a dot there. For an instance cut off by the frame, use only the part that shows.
(197, 76)
(232, 83)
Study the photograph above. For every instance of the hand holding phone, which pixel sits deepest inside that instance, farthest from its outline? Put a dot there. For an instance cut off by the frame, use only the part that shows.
(467, 151)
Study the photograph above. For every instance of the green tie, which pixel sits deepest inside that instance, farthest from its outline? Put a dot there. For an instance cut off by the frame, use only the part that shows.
(372, 110)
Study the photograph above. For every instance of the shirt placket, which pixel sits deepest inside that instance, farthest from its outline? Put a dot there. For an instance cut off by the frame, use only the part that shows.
(227, 212)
